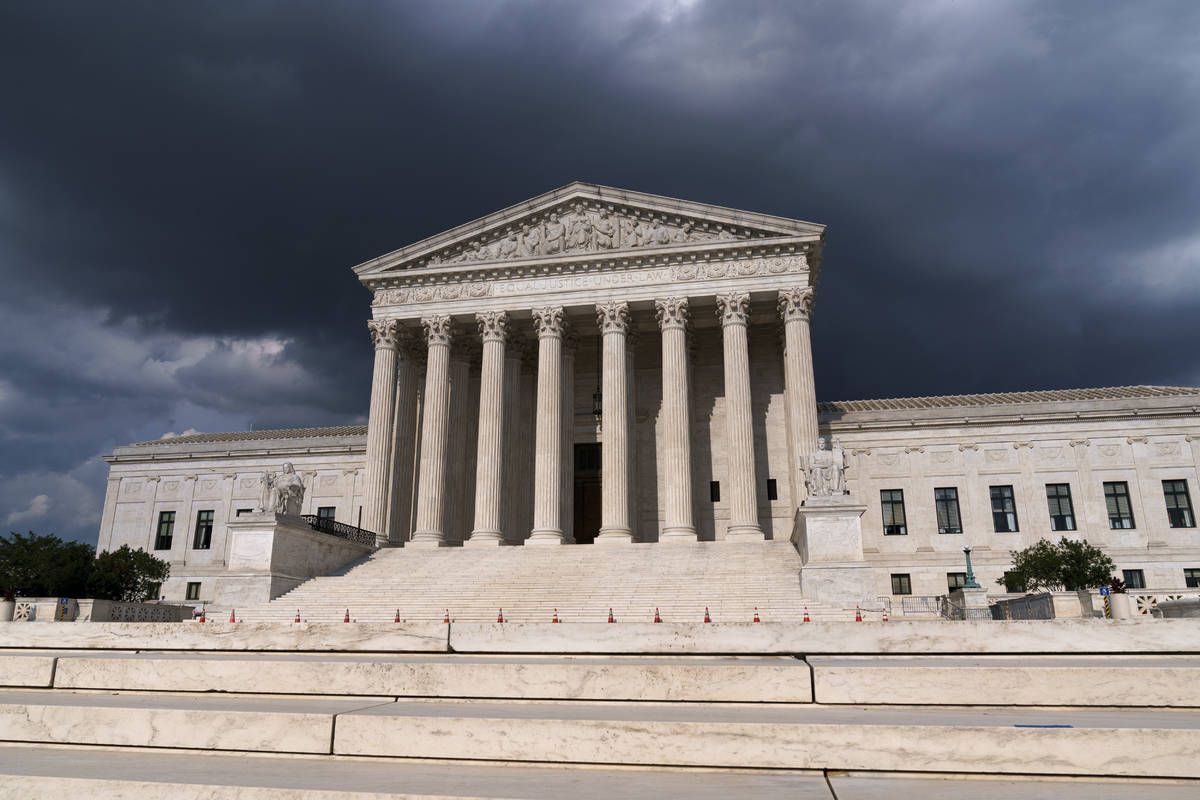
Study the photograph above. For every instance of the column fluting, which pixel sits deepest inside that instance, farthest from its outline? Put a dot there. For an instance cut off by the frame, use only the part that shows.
(567, 506)
(493, 330)
(384, 334)
(795, 307)
(614, 320)
(404, 442)
(673, 317)
(733, 310)
(548, 451)
(431, 482)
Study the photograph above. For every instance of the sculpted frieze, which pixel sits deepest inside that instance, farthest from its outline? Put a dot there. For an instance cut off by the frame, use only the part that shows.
(596, 278)
(585, 228)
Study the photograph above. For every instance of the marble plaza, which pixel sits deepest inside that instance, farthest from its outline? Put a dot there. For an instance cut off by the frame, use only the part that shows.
(611, 368)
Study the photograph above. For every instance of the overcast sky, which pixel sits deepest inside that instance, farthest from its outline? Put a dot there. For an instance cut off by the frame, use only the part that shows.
(1012, 190)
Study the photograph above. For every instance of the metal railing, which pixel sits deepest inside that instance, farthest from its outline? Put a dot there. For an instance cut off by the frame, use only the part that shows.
(1034, 606)
(340, 529)
(948, 609)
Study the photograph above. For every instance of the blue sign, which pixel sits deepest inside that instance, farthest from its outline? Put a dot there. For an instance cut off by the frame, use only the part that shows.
(1104, 591)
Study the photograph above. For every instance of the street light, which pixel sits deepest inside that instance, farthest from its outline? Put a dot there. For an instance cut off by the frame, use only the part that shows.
(971, 582)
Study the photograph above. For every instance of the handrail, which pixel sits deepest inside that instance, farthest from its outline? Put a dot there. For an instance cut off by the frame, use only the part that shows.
(340, 529)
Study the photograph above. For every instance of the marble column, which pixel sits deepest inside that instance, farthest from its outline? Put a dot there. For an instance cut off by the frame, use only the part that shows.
(493, 330)
(547, 460)
(614, 320)
(733, 310)
(384, 334)
(795, 306)
(679, 524)
(404, 442)
(513, 479)
(431, 481)
(567, 493)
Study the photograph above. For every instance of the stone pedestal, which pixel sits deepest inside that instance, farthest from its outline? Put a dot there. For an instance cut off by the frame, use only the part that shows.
(270, 554)
(970, 598)
(827, 532)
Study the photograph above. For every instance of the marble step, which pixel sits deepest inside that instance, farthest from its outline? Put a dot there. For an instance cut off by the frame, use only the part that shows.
(1131, 743)
(1098, 742)
(38, 772)
(1154, 681)
(741, 679)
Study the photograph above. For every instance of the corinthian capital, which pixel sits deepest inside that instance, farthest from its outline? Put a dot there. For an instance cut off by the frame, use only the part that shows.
(548, 321)
(613, 317)
(385, 333)
(733, 308)
(493, 326)
(438, 329)
(672, 312)
(796, 303)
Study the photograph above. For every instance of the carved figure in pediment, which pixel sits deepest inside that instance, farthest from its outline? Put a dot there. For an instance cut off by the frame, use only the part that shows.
(531, 241)
(509, 246)
(556, 234)
(628, 228)
(486, 252)
(580, 233)
(606, 232)
(641, 233)
(658, 235)
(683, 233)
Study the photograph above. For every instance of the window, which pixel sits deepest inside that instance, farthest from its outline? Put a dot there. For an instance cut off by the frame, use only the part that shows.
(1116, 498)
(241, 512)
(153, 589)
(1004, 510)
(1134, 578)
(326, 512)
(772, 489)
(1062, 512)
(714, 491)
(892, 501)
(166, 530)
(193, 591)
(204, 525)
(956, 580)
(1191, 578)
(1179, 504)
(946, 502)
(901, 583)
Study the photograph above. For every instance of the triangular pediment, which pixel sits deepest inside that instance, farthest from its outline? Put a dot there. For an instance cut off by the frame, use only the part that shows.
(585, 220)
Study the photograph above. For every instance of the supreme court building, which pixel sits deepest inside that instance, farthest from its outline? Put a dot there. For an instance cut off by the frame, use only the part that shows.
(604, 367)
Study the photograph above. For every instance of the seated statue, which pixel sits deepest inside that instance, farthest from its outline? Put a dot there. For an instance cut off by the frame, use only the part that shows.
(825, 472)
(282, 493)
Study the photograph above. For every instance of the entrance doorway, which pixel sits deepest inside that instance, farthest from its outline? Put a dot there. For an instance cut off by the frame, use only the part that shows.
(588, 498)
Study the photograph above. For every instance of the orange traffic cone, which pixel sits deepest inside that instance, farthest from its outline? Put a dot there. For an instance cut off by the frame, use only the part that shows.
(756, 619)
(347, 617)
(806, 614)
(297, 619)
(232, 618)
(610, 616)
(555, 616)
(657, 618)
(203, 614)
(857, 614)
(707, 618)
(446, 618)
(500, 615)
(397, 615)
(885, 615)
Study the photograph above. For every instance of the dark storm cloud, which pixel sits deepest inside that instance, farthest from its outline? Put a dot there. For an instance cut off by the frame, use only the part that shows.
(1011, 190)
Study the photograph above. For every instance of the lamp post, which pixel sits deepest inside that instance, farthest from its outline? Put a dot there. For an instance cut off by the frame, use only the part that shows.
(971, 582)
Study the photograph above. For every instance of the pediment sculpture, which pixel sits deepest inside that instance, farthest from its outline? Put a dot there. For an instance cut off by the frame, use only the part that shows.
(825, 470)
(282, 493)
(581, 228)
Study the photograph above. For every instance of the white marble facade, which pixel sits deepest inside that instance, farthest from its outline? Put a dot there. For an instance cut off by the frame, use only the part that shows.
(692, 324)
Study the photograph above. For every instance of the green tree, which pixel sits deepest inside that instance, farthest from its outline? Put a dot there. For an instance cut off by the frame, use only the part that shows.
(44, 566)
(127, 575)
(1066, 565)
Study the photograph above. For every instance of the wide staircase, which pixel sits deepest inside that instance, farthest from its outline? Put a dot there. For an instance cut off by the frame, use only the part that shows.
(730, 579)
(825, 711)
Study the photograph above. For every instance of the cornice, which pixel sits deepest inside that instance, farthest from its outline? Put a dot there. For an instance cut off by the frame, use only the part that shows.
(909, 424)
